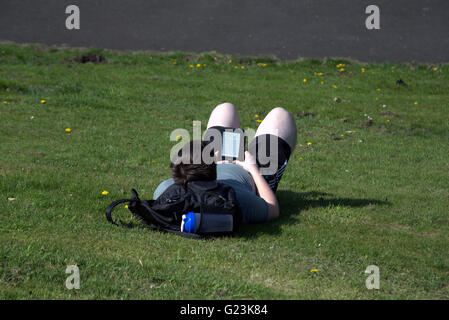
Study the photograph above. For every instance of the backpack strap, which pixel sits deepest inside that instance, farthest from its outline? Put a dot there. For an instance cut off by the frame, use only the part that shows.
(111, 207)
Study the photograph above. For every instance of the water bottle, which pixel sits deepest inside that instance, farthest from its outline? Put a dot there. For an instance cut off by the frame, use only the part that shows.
(193, 222)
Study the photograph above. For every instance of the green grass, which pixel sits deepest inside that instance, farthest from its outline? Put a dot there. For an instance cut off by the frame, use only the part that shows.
(376, 196)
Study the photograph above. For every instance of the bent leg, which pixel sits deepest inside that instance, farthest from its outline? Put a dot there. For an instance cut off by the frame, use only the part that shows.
(273, 144)
(224, 115)
(279, 122)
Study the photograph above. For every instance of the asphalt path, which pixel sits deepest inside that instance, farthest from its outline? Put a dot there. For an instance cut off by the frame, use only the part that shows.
(410, 30)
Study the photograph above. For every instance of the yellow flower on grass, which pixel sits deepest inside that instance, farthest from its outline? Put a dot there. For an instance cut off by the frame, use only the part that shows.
(191, 66)
(68, 130)
(415, 103)
(178, 138)
(334, 86)
(378, 89)
(126, 206)
(435, 69)
(304, 80)
(243, 67)
(258, 120)
(309, 143)
(5, 102)
(198, 65)
(174, 62)
(236, 67)
(388, 120)
(314, 270)
(419, 147)
(363, 70)
(342, 135)
(105, 193)
(264, 65)
(256, 116)
(43, 101)
(300, 159)
(230, 61)
(322, 82)
(342, 70)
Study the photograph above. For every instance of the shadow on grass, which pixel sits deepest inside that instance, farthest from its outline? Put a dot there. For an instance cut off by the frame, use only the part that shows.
(292, 203)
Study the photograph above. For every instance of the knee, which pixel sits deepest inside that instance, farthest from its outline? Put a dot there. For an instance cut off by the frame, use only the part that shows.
(280, 113)
(226, 106)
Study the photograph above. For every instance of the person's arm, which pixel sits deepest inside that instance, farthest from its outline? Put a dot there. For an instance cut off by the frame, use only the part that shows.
(249, 164)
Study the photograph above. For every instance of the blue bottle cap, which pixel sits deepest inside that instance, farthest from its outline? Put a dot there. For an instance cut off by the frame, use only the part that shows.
(189, 222)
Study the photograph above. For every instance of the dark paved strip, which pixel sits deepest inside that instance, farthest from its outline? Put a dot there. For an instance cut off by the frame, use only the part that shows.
(410, 29)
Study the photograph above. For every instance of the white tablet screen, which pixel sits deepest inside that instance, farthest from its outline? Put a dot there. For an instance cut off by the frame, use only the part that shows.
(231, 144)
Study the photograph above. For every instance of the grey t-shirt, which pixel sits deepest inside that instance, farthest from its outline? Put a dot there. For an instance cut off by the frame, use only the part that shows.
(254, 208)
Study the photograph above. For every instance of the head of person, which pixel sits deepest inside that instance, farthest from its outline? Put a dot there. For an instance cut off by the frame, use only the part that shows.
(192, 165)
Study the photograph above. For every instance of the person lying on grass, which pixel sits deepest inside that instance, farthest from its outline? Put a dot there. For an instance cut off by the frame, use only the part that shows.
(255, 192)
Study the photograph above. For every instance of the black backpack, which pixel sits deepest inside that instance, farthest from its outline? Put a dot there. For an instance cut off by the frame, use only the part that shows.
(165, 213)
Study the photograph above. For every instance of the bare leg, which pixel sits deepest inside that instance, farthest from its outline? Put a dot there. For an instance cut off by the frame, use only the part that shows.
(279, 122)
(224, 115)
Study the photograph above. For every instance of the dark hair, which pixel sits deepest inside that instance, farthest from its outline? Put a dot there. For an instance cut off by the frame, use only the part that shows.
(187, 169)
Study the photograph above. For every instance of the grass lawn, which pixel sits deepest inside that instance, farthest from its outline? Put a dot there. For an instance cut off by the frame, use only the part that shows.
(368, 183)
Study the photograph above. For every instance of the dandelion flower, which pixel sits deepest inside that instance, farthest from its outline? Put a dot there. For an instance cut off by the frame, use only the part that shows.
(191, 66)
(126, 206)
(300, 159)
(419, 147)
(363, 70)
(334, 86)
(388, 120)
(304, 80)
(378, 89)
(105, 193)
(230, 61)
(264, 65)
(174, 62)
(68, 130)
(309, 143)
(198, 65)
(342, 69)
(435, 69)
(314, 270)
(322, 82)
(243, 67)
(416, 102)
(258, 120)
(256, 116)
(178, 138)
(43, 101)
